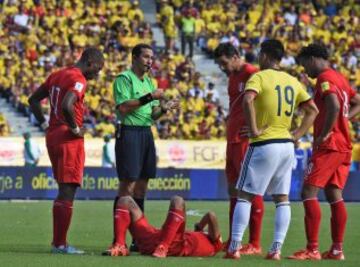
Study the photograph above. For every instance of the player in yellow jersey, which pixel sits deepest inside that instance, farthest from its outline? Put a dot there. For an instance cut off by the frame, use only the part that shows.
(271, 96)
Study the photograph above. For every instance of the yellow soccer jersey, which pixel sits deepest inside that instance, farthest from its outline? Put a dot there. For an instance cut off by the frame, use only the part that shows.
(278, 95)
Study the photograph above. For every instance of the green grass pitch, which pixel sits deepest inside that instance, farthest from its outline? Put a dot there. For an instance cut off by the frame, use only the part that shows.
(25, 234)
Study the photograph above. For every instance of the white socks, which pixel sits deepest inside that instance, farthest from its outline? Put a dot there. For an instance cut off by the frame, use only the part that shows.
(241, 219)
(282, 221)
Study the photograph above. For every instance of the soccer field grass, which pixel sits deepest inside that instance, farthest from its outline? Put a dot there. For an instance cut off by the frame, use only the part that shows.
(26, 233)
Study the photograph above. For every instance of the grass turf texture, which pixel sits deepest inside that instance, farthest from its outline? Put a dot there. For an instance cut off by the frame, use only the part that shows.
(26, 233)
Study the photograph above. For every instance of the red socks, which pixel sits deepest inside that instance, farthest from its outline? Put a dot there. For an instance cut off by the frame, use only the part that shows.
(256, 215)
(174, 220)
(233, 201)
(121, 224)
(338, 223)
(312, 222)
(62, 212)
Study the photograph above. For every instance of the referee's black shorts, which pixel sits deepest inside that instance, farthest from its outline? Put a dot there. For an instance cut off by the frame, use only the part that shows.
(135, 153)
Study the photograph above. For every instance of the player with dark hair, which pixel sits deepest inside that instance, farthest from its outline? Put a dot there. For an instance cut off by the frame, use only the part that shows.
(65, 136)
(238, 71)
(270, 99)
(330, 162)
(172, 239)
(137, 108)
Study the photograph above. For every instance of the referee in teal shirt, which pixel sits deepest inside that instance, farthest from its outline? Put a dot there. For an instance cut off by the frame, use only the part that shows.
(137, 107)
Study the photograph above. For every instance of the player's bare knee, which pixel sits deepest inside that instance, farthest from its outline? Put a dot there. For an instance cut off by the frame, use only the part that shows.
(232, 191)
(125, 201)
(309, 192)
(67, 191)
(280, 198)
(333, 194)
(177, 202)
(212, 216)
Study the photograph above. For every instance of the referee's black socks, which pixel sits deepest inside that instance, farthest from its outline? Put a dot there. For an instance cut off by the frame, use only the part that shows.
(140, 203)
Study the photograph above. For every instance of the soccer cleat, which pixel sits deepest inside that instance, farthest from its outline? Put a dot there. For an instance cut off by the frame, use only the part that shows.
(235, 255)
(305, 254)
(66, 250)
(250, 249)
(116, 251)
(160, 251)
(275, 255)
(333, 255)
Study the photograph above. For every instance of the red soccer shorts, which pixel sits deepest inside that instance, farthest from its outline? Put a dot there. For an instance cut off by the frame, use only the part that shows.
(235, 153)
(67, 160)
(198, 244)
(147, 236)
(328, 167)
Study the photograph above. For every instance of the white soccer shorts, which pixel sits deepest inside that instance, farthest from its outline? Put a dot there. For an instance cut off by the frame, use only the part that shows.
(267, 168)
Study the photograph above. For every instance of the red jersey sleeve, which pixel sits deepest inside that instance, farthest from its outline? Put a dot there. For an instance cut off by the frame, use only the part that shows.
(250, 70)
(325, 86)
(77, 85)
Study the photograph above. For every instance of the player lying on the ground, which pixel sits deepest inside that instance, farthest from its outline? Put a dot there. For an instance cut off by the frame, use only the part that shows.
(171, 239)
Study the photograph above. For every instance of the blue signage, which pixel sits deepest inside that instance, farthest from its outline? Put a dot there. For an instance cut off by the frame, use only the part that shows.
(102, 183)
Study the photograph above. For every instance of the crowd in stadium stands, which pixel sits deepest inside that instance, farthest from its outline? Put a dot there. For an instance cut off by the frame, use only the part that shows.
(37, 37)
(4, 126)
(247, 23)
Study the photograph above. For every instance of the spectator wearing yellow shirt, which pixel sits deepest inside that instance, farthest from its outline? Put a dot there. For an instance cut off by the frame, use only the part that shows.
(4, 126)
(187, 25)
(135, 11)
(105, 128)
(196, 103)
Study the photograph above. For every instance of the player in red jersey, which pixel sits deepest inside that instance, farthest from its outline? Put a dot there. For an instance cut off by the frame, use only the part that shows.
(65, 136)
(171, 240)
(331, 159)
(229, 61)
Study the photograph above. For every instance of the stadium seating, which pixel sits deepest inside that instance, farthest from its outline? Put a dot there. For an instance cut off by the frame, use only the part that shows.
(38, 37)
(296, 23)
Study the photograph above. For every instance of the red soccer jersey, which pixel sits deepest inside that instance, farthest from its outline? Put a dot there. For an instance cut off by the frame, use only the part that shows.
(236, 119)
(58, 84)
(332, 82)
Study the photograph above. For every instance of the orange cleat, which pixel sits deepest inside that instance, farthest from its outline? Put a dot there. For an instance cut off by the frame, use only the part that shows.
(305, 254)
(333, 255)
(250, 249)
(232, 255)
(116, 251)
(160, 251)
(273, 256)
